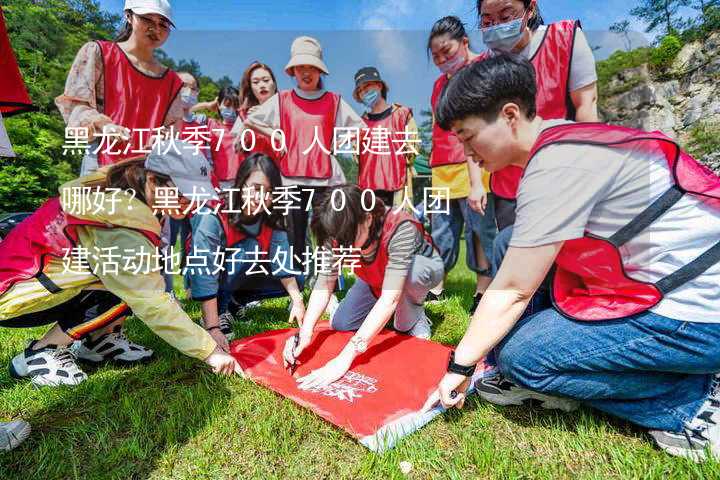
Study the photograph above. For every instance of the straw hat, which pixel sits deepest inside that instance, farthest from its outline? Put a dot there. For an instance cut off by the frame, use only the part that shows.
(306, 51)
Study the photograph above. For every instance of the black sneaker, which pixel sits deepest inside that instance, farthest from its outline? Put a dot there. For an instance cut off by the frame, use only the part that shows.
(476, 302)
(700, 437)
(499, 390)
(49, 366)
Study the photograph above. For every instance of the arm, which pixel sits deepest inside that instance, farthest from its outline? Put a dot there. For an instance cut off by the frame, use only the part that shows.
(585, 101)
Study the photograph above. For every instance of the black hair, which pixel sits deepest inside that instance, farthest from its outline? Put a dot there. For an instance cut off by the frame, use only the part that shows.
(126, 30)
(263, 163)
(534, 22)
(450, 25)
(340, 227)
(229, 93)
(484, 87)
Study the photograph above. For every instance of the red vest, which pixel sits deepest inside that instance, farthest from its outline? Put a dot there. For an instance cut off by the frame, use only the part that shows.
(133, 100)
(263, 144)
(590, 281)
(234, 235)
(552, 64)
(298, 120)
(373, 273)
(225, 160)
(49, 232)
(384, 170)
(446, 148)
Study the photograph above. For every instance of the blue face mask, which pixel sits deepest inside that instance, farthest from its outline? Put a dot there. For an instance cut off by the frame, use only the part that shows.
(228, 114)
(371, 98)
(504, 37)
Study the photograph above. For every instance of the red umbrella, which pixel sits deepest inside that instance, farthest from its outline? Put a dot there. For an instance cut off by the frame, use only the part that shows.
(13, 95)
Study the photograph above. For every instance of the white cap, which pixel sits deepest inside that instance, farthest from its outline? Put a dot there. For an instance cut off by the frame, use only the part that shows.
(143, 7)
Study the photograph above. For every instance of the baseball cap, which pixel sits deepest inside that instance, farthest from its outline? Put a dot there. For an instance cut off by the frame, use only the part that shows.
(143, 7)
(186, 166)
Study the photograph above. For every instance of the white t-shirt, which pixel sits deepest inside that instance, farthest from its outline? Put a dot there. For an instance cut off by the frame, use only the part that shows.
(5, 147)
(582, 65)
(567, 190)
(268, 114)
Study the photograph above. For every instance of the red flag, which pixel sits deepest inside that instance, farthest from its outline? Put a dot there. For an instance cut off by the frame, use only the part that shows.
(13, 95)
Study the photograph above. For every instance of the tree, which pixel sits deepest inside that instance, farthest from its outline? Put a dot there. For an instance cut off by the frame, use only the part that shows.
(659, 15)
(623, 28)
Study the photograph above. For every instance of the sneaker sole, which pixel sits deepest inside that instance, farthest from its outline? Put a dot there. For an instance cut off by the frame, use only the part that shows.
(545, 402)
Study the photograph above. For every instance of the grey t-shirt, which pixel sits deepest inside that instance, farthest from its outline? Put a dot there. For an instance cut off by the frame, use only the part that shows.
(567, 190)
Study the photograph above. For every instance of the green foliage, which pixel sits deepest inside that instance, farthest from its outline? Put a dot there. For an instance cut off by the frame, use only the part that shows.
(663, 56)
(704, 139)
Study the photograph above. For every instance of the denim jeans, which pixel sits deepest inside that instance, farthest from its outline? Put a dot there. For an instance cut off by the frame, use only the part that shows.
(447, 230)
(425, 274)
(648, 369)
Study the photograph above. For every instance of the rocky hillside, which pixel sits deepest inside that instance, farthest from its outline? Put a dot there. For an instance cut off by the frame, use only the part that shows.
(683, 100)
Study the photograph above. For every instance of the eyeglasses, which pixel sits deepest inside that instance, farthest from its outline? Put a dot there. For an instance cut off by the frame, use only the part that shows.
(150, 23)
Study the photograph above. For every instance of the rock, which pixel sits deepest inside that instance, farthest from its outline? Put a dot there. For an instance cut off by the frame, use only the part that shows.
(712, 160)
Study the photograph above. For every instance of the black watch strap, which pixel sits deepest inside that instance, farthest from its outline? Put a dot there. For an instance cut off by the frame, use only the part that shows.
(459, 369)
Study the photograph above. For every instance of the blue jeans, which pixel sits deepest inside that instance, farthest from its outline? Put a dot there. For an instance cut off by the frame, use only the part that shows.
(651, 370)
(447, 230)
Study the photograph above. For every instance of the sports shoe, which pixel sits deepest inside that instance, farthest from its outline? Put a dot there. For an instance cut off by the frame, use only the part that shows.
(48, 366)
(13, 434)
(114, 346)
(476, 302)
(225, 323)
(700, 437)
(499, 390)
(421, 329)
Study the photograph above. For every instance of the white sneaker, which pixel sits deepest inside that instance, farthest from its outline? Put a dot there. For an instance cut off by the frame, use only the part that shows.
(113, 346)
(225, 322)
(422, 328)
(13, 434)
(499, 390)
(49, 366)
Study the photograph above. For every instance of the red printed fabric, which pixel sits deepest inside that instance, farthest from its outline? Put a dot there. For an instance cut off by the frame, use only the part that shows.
(377, 402)
(13, 95)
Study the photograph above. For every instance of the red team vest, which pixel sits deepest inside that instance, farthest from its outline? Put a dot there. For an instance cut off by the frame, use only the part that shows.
(225, 161)
(49, 232)
(133, 100)
(590, 280)
(298, 119)
(446, 148)
(263, 144)
(552, 64)
(373, 273)
(382, 170)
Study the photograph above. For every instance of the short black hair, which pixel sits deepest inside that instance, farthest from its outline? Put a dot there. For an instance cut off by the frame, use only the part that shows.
(485, 86)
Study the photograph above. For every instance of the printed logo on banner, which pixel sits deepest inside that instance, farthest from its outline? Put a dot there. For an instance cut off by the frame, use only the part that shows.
(351, 386)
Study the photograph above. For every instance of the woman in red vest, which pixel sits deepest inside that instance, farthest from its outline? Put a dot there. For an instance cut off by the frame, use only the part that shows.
(86, 269)
(395, 263)
(632, 236)
(257, 86)
(117, 94)
(303, 120)
(256, 261)
(567, 84)
(387, 147)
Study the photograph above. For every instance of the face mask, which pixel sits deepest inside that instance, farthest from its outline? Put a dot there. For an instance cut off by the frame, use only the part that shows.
(370, 98)
(228, 114)
(188, 98)
(504, 37)
(453, 65)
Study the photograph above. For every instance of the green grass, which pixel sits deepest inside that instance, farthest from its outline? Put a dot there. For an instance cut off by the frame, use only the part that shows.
(173, 419)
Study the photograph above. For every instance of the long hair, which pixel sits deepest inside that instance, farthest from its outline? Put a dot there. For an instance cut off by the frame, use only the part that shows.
(262, 163)
(340, 227)
(533, 23)
(247, 97)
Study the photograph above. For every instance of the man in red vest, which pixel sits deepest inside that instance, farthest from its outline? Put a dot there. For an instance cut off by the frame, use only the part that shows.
(630, 223)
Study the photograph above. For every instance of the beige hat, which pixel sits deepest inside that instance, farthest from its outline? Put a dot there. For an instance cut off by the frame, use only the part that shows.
(306, 51)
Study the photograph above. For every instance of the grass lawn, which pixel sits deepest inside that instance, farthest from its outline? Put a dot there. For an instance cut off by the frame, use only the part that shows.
(171, 418)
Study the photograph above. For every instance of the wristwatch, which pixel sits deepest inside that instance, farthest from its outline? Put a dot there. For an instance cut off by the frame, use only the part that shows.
(359, 344)
(459, 369)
